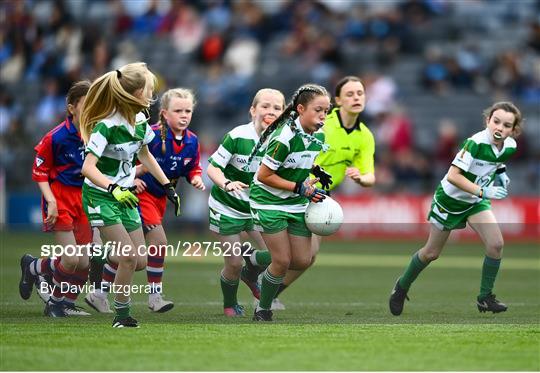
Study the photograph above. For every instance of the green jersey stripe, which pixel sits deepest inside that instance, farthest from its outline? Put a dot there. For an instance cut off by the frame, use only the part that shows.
(117, 143)
(231, 157)
(478, 160)
(291, 157)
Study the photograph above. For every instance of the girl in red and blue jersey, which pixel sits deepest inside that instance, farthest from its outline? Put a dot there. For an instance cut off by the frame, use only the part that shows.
(57, 170)
(177, 151)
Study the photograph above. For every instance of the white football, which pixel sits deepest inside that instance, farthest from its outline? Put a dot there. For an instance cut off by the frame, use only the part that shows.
(324, 218)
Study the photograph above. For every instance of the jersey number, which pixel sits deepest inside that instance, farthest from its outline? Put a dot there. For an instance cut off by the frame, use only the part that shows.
(174, 165)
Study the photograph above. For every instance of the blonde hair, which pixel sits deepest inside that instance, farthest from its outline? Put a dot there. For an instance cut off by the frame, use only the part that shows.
(262, 91)
(510, 108)
(164, 105)
(114, 92)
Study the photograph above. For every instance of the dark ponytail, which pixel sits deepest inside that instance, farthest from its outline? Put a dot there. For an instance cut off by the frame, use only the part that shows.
(77, 91)
(302, 95)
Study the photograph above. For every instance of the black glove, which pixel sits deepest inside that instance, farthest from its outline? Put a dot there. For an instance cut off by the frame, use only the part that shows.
(311, 192)
(173, 197)
(324, 177)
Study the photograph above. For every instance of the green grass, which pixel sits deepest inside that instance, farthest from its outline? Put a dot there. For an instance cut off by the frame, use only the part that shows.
(336, 318)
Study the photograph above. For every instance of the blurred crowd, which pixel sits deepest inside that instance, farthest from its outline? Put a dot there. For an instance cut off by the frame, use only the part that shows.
(226, 50)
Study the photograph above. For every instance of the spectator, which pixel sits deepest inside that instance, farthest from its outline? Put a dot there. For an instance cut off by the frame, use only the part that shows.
(382, 91)
(188, 29)
(242, 56)
(446, 147)
(434, 74)
(127, 53)
(9, 111)
(51, 106)
(394, 130)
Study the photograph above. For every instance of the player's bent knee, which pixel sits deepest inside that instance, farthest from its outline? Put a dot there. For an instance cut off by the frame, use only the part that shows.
(282, 264)
(141, 263)
(83, 266)
(430, 255)
(234, 266)
(129, 261)
(495, 247)
(300, 264)
(70, 262)
(305, 263)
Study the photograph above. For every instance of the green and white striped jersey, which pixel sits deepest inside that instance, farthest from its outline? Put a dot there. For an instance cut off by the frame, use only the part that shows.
(231, 157)
(478, 159)
(116, 143)
(292, 158)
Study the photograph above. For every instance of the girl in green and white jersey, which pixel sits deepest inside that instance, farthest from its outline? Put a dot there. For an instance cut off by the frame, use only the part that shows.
(229, 199)
(281, 189)
(116, 134)
(463, 196)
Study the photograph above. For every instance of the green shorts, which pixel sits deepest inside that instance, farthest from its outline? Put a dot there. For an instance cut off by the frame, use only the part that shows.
(273, 221)
(226, 225)
(103, 210)
(447, 221)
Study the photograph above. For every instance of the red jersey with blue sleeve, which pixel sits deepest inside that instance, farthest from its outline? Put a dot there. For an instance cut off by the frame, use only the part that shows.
(59, 156)
(59, 160)
(181, 159)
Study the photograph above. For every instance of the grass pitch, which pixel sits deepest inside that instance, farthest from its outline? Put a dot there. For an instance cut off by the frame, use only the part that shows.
(336, 317)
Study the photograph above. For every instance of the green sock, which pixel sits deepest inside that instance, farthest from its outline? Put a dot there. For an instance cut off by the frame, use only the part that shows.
(229, 288)
(98, 255)
(269, 287)
(281, 288)
(411, 273)
(250, 275)
(489, 274)
(122, 309)
(262, 258)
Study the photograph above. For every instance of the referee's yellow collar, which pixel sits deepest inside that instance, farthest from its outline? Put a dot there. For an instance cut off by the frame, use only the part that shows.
(339, 122)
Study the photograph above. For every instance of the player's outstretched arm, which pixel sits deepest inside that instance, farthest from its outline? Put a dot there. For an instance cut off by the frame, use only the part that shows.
(366, 180)
(90, 170)
(52, 209)
(197, 182)
(121, 194)
(456, 178)
(150, 163)
(216, 175)
(140, 170)
(307, 188)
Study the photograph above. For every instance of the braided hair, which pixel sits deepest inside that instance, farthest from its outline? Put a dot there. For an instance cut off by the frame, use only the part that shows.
(303, 96)
(163, 132)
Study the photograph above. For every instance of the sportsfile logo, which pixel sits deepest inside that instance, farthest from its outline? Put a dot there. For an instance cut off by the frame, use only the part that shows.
(113, 248)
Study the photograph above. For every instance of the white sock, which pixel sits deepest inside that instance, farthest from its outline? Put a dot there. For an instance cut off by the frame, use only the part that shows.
(34, 265)
(253, 259)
